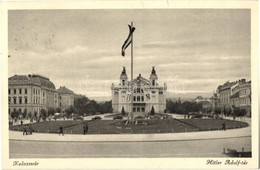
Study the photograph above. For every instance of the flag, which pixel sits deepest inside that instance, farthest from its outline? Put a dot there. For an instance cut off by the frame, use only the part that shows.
(128, 41)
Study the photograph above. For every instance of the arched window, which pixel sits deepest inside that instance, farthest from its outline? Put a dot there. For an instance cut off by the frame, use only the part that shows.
(138, 98)
(14, 100)
(20, 100)
(153, 82)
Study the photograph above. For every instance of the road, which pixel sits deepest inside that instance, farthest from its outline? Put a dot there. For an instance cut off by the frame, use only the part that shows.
(65, 149)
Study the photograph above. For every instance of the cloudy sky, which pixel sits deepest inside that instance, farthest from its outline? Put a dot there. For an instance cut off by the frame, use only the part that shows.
(192, 50)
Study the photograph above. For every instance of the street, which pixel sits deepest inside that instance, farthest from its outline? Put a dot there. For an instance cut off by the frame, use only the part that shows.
(191, 148)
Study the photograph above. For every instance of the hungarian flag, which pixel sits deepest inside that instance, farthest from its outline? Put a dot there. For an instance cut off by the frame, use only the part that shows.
(128, 41)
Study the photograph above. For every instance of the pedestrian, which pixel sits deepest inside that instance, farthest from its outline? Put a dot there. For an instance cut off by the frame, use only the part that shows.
(61, 131)
(30, 130)
(224, 126)
(24, 130)
(86, 128)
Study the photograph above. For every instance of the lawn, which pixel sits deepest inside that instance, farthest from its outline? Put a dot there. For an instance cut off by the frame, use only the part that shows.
(119, 127)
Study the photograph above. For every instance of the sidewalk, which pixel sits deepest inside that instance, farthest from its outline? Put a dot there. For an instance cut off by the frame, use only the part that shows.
(232, 133)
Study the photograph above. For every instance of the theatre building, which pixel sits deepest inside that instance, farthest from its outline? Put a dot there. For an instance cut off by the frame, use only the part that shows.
(147, 93)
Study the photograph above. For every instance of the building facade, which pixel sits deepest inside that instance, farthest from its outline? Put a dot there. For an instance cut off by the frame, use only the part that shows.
(30, 94)
(146, 94)
(235, 94)
(242, 95)
(66, 98)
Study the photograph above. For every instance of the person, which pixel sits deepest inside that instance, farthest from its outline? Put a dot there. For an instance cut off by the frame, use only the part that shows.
(24, 130)
(61, 131)
(224, 126)
(86, 128)
(30, 130)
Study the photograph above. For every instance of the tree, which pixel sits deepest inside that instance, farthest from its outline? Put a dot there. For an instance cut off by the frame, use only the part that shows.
(69, 110)
(236, 111)
(152, 111)
(43, 114)
(30, 115)
(14, 114)
(58, 110)
(123, 111)
(242, 112)
(24, 115)
(217, 110)
(51, 111)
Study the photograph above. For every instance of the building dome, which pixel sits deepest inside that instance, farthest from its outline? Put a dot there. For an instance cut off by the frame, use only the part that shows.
(123, 74)
(153, 75)
(42, 81)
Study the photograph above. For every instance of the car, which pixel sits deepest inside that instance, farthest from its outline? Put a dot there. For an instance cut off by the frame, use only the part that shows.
(96, 118)
(78, 118)
(196, 117)
(118, 117)
(139, 117)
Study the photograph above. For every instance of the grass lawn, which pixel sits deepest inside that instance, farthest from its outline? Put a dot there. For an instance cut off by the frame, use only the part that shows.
(118, 126)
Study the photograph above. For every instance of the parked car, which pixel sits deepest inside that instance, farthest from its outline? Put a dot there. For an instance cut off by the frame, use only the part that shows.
(118, 117)
(78, 118)
(139, 117)
(96, 118)
(196, 117)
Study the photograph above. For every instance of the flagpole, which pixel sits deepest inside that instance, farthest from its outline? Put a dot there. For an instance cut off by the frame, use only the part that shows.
(132, 69)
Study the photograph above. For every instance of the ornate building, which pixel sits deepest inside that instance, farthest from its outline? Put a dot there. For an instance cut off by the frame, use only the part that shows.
(31, 93)
(146, 94)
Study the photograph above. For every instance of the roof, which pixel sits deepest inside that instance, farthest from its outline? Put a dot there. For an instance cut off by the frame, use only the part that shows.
(236, 95)
(141, 80)
(199, 97)
(64, 90)
(32, 79)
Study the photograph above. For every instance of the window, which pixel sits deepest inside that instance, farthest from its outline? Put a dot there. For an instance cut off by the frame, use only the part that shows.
(142, 98)
(134, 98)
(138, 109)
(153, 82)
(20, 91)
(25, 110)
(143, 109)
(138, 90)
(9, 91)
(160, 92)
(14, 91)
(20, 100)
(25, 91)
(25, 100)
(9, 99)
(123, 82)
(33, 91)
(134, 109)
(138, 98)
(20, 110)
(43, 94)
(14, 100)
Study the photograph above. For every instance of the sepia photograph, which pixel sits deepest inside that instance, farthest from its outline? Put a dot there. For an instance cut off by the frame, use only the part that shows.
(168, 83)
